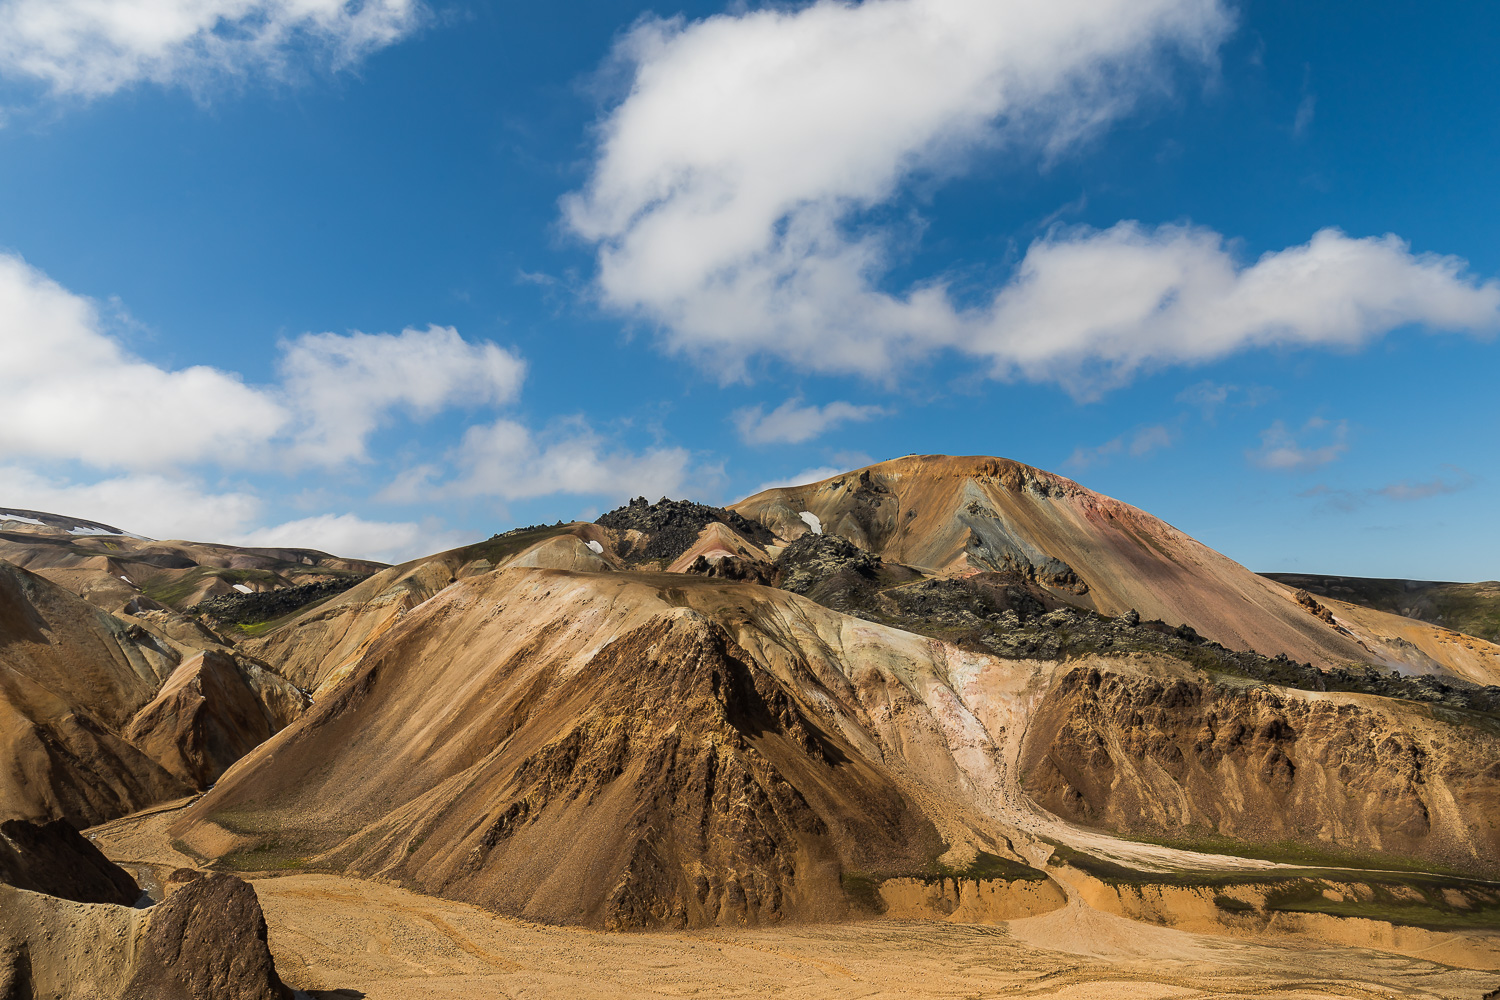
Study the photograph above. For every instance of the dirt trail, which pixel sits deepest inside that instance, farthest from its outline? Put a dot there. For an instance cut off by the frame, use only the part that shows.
(340, 937)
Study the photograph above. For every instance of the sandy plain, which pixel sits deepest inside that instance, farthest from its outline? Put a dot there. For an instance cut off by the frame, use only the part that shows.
(338, 937)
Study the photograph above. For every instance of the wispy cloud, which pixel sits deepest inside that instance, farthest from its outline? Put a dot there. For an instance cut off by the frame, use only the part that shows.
(351, 535)
(1137, 444)
(1404, 491)
(1306, 108)
(794, 423)
(814, 475)
(1206, 396)
(1317, 443)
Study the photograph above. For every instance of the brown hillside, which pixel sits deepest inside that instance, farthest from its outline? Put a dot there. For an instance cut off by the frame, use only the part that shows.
(574, 748)
(628, 750)
(99, 717)
(71, 677)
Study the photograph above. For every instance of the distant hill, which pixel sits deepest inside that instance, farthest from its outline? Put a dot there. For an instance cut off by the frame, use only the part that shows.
(1472, 608)
(118, 571)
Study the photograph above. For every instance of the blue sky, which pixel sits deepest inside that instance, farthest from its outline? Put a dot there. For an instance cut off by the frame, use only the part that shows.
(379, 278)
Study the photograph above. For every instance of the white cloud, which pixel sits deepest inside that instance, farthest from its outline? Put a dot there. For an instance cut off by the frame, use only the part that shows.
(724, 179)
(727, 198)
(96, 47)
(803, 478)
(1288, 451)
(354, 537)
(793, 423)
(342, 386)
(507, 460)
(70, 391)
(1090, 308)
(147, 504)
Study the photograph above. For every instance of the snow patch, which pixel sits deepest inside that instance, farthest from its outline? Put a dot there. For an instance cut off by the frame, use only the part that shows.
(243, 589)
(127, 579)
(80, 530)
(22, 520)
(812, 521)
(598, 549)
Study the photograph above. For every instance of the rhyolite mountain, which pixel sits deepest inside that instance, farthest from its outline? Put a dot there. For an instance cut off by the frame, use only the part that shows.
(933, 667)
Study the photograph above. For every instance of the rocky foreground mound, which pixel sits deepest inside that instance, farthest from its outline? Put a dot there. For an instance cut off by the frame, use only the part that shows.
(68, 928)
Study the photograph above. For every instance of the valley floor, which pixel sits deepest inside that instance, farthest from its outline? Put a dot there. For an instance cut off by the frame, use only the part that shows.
(336, 937)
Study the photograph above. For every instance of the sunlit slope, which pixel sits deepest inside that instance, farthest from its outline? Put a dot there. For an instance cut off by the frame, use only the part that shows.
(583, 748)
(626, 750)
(71, 678)
(317, 647)
(954, 516)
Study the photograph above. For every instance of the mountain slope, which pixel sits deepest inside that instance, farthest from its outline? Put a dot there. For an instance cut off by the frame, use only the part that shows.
(951, 516)
(626, 750)
(574, 747)
(317, 647)
(71, 676)
(92, 725)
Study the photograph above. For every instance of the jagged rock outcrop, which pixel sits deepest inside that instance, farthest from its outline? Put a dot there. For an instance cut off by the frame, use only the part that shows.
(55, 859)
(834, 571)
(1315, 609)
(238, 609)
(666, 529)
